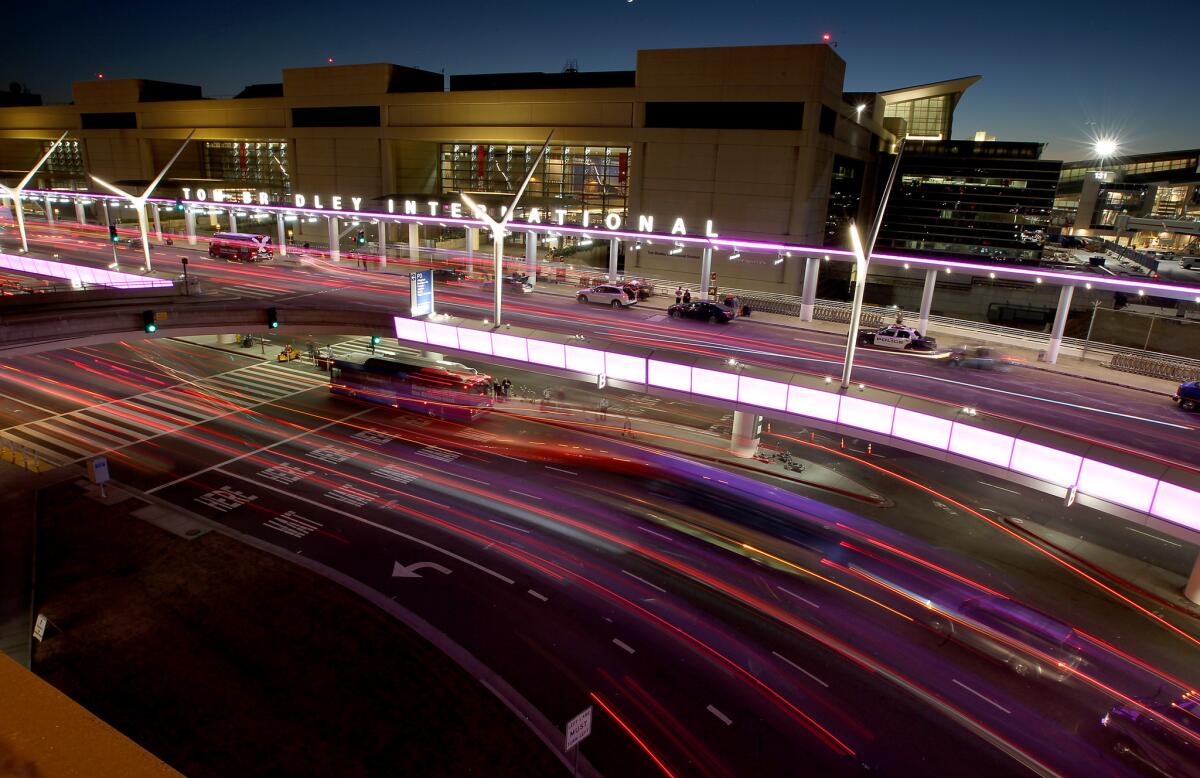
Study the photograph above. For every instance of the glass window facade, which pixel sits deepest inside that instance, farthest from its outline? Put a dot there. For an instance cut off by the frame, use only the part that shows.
(571, 177)
(845, 195)
(253, 165)
(927, 117)
(65, 167)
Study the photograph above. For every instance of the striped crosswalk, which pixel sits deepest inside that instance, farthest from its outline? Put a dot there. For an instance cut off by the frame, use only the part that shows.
(73, 436)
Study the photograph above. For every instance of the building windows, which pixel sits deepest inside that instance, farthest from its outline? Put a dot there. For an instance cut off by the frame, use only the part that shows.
(845, 195)
(66, 161)
(573, 178)
(927, 117)
(253, 165)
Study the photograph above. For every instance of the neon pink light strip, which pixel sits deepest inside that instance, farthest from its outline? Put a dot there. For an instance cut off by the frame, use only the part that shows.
(90, 276)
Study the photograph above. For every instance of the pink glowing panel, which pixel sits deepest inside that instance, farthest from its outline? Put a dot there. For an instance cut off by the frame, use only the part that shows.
(1177, 505)
(79, 273)
(669, 375)
(866, 414)
(624, 367)
(475, 340)
(1048, 464)
(543, 353)
(585, 360)
(441, 335)
(1117, 485)
(510, 346)
(813, 403)
(763, 393)
(984, 445)
(714, 383)
(410, 329)
(922, 428)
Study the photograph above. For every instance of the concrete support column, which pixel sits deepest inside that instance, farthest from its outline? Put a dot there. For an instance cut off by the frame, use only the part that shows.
(382, 244)
(189, 224)
(335, 250)
(808, 293)
(927, 300)
(705, 271)
(414, 240)
(157, 222)
(49, 210)
(471, 245)
(747, 432)
(80, 214)
(1192, 589)
(1060, 323)
(531, 240)
(613, 252)
(102, 209)
(280, 235)
(232, 220)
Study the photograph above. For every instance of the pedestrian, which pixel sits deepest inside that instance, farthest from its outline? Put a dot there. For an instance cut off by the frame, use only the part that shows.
(678, 294)
(746, 309)
(506, 387)
(687, 295)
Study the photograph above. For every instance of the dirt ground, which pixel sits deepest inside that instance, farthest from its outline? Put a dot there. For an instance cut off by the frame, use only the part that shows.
(226, 661)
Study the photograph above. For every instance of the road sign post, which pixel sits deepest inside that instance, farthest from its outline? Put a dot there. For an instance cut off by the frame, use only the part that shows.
(420, 293)
(578, 728)
(97, 469)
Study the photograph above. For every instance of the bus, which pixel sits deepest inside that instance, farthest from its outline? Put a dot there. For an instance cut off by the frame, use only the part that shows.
(445, 390)
(240, 246)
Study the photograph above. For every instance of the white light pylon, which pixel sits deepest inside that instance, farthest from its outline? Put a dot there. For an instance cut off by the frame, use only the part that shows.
(14, 193)
(497, 227)
(139, 201)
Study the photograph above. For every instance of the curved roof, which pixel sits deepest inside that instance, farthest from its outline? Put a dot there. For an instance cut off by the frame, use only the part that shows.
(954, 87)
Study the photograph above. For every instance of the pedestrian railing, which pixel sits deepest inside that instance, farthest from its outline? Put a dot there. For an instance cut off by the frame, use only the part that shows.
(1155, 368)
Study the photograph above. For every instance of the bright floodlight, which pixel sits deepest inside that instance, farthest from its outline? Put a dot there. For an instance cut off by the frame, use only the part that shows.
(1105, 147)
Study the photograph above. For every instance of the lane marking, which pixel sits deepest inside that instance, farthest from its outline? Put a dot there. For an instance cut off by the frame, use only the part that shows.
(980, 696)
(798, 597)
(559, 469)
(801, 669)
(506, 456)
(621, 644)
(643, 580)
(656, 534)
(725, 719)
(538, 595)
(1156, 537)
(1001, 488)
(510, 526)
(525, 494)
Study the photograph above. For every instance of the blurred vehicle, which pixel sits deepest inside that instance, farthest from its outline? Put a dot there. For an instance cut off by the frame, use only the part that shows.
(896, 336)
(1166, 740)
(288, 354)
(641, 290)
(703, 310)
(240, 246)
(448, 274)
(981, 358)
(445, 390)
(1029, 643)
(1187, 395)
(510, 284)
(607, 294)
(1189, 262)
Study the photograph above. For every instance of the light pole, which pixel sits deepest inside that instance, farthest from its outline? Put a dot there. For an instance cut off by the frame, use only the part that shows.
(862, 258)
(14, 193)
(139, 201)
(497, 227)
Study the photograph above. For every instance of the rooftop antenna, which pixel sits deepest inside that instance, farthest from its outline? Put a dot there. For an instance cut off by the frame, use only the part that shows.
(571, 66)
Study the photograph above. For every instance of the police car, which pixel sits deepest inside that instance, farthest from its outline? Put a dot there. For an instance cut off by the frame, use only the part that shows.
(896, 336)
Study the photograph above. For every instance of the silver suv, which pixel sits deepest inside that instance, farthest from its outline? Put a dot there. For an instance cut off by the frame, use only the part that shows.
(606, 294)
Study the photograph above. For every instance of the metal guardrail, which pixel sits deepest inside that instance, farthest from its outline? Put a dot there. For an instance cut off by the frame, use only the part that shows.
(1155, 368)
(1148, 262)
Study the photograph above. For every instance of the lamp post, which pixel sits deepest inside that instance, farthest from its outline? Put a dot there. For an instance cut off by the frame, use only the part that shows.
(497, 228)
(14, 193)
(862, 258)
(139, 201)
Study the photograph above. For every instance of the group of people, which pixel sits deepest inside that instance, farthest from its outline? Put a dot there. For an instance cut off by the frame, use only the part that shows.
(729, 301)
(682, 295)
(502, 388)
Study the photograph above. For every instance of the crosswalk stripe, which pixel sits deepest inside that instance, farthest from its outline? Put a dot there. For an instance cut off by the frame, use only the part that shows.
(215, 399)
(242, 388)
(94, 432)
(139, 420)
(189, 415)
(152, 411)
(49, 441)
(193, 401)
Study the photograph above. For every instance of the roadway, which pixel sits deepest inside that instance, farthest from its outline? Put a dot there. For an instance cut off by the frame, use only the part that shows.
(555, 564)
(1127, 418)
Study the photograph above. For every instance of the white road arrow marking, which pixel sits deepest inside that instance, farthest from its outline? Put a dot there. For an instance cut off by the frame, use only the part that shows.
(400, 571)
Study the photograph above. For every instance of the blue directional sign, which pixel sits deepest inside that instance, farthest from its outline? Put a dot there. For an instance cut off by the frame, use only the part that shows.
(420, 293)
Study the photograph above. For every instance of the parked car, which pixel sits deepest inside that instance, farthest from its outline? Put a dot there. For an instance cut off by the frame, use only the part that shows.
(896, 336)
(703, 310)
(513, 285)
(1166, 739)
(448, 274)
(1189, 262)
(981, 358)
(606, 294)
(1188, 395)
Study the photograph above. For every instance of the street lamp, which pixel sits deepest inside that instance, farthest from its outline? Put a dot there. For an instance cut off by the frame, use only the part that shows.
(14, 193)
(497, 227)
(1105, 148)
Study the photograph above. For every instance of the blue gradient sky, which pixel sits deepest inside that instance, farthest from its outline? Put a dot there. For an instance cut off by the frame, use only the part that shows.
(1053, 71)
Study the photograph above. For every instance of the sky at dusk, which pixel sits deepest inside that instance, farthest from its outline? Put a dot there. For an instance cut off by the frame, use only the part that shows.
(1058, 71)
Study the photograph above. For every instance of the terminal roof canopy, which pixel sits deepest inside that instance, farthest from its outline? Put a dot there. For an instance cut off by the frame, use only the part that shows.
(927, 110)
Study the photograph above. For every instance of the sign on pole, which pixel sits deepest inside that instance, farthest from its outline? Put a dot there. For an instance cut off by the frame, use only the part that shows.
(601, 381)
(97, 469)
(420, 293)
(578, 728)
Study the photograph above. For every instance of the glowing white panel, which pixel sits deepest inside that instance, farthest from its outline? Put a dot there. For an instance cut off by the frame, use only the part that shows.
(713, 383)
(624, 367)
(475, 340)
(1048, 464)
(866, 414)
(922, 428)
(585, 360)
(441, 335)
(763, 393)
(510, 346)
(670, 375)
(984, 445)
(1117, 485)
(1177, 505)
(814, 403)
(543, 353)
(410, 329)
(79, 273)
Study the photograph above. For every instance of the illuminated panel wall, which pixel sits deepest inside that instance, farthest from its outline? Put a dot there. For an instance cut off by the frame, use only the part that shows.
(78, 275)
(1161, 499)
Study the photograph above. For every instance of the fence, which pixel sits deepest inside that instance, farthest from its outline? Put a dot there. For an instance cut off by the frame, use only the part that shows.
(1155, 368)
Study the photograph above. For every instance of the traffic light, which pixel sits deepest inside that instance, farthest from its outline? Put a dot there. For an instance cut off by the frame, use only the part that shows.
(112, 234)
(376, 340)
(148, 324)
(178, 205)
(273, 318)
(361, 239)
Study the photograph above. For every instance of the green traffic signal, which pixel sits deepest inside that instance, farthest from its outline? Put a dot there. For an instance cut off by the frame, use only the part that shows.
(376, 340)
(148, 324)
(112, 234)
(273, 318)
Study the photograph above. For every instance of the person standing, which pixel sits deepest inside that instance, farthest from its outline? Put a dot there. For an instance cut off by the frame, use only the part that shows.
(678, 294)
(687, 295)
